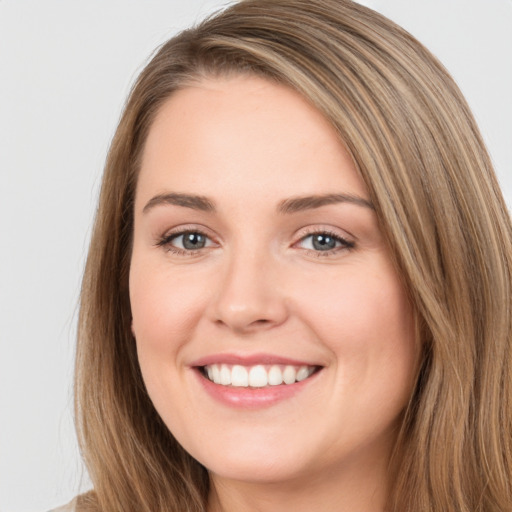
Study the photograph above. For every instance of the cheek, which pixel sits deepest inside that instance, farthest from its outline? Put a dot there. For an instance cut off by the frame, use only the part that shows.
(367, 322)
(364, 303)
(166, 307)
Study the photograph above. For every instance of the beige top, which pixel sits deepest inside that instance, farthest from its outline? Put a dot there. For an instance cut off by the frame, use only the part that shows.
(70, 507)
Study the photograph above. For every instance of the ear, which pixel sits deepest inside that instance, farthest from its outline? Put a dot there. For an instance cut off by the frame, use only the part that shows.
(131, 328)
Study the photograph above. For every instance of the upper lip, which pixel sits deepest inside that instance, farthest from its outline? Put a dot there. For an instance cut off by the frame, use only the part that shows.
(250, 360)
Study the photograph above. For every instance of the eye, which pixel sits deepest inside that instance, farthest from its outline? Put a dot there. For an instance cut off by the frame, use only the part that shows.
(324, 242)
(186, 241)
(190, 241)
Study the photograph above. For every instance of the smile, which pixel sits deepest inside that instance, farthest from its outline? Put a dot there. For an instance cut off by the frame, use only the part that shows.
(256, 376)
(254, 381)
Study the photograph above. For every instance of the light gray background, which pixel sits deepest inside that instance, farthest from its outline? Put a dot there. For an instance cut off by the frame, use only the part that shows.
(65, 69)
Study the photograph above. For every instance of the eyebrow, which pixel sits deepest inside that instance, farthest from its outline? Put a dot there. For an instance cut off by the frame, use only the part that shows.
(287, 206)
(186, 200)
(298, 204)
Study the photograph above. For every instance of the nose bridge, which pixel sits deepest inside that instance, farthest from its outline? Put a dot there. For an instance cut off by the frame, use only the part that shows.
(249, 294)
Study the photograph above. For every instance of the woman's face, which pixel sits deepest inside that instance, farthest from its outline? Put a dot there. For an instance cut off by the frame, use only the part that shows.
(274, 336)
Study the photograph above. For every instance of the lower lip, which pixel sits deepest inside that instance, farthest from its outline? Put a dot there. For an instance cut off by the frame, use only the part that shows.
(252, 398)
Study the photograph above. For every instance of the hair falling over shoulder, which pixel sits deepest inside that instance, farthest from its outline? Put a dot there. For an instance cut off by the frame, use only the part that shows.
(419, 151)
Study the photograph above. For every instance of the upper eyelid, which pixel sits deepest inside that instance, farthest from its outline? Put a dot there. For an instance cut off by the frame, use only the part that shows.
(182, 229)
(328, 233)
(331, 230)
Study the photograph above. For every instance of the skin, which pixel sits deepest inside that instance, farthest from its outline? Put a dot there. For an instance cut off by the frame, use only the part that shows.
(260, 286)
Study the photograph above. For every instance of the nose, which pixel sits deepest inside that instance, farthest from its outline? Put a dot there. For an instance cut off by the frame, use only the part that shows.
(249, 295)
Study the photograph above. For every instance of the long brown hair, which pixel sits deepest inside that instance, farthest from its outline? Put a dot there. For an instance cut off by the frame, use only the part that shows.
(416, 145)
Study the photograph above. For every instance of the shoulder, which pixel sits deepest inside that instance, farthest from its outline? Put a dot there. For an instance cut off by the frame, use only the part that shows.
(86, 502)
(70, 507)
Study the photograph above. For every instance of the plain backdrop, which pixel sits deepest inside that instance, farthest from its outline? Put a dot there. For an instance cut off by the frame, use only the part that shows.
(65, 69)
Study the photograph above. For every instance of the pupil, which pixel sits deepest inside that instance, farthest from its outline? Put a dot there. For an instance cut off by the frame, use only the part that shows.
(323, 242)
(193, 241)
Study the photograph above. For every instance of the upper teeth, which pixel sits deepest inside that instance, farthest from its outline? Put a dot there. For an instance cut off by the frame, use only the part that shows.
(257, 376)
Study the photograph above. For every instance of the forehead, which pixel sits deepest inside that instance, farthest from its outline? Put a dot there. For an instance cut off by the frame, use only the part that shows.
(243, 135)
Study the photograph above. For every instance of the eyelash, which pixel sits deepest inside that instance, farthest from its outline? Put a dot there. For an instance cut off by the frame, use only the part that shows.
(345, 245)
(166, 241)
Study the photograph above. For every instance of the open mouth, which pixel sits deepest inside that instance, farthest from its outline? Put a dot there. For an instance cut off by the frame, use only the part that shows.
(256, 376)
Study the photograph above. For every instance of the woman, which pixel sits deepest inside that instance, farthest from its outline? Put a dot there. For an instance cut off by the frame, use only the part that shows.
(298, 287)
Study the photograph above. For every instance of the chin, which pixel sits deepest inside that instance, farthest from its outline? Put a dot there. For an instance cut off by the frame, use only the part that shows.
(263, 458)
(256, 470)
